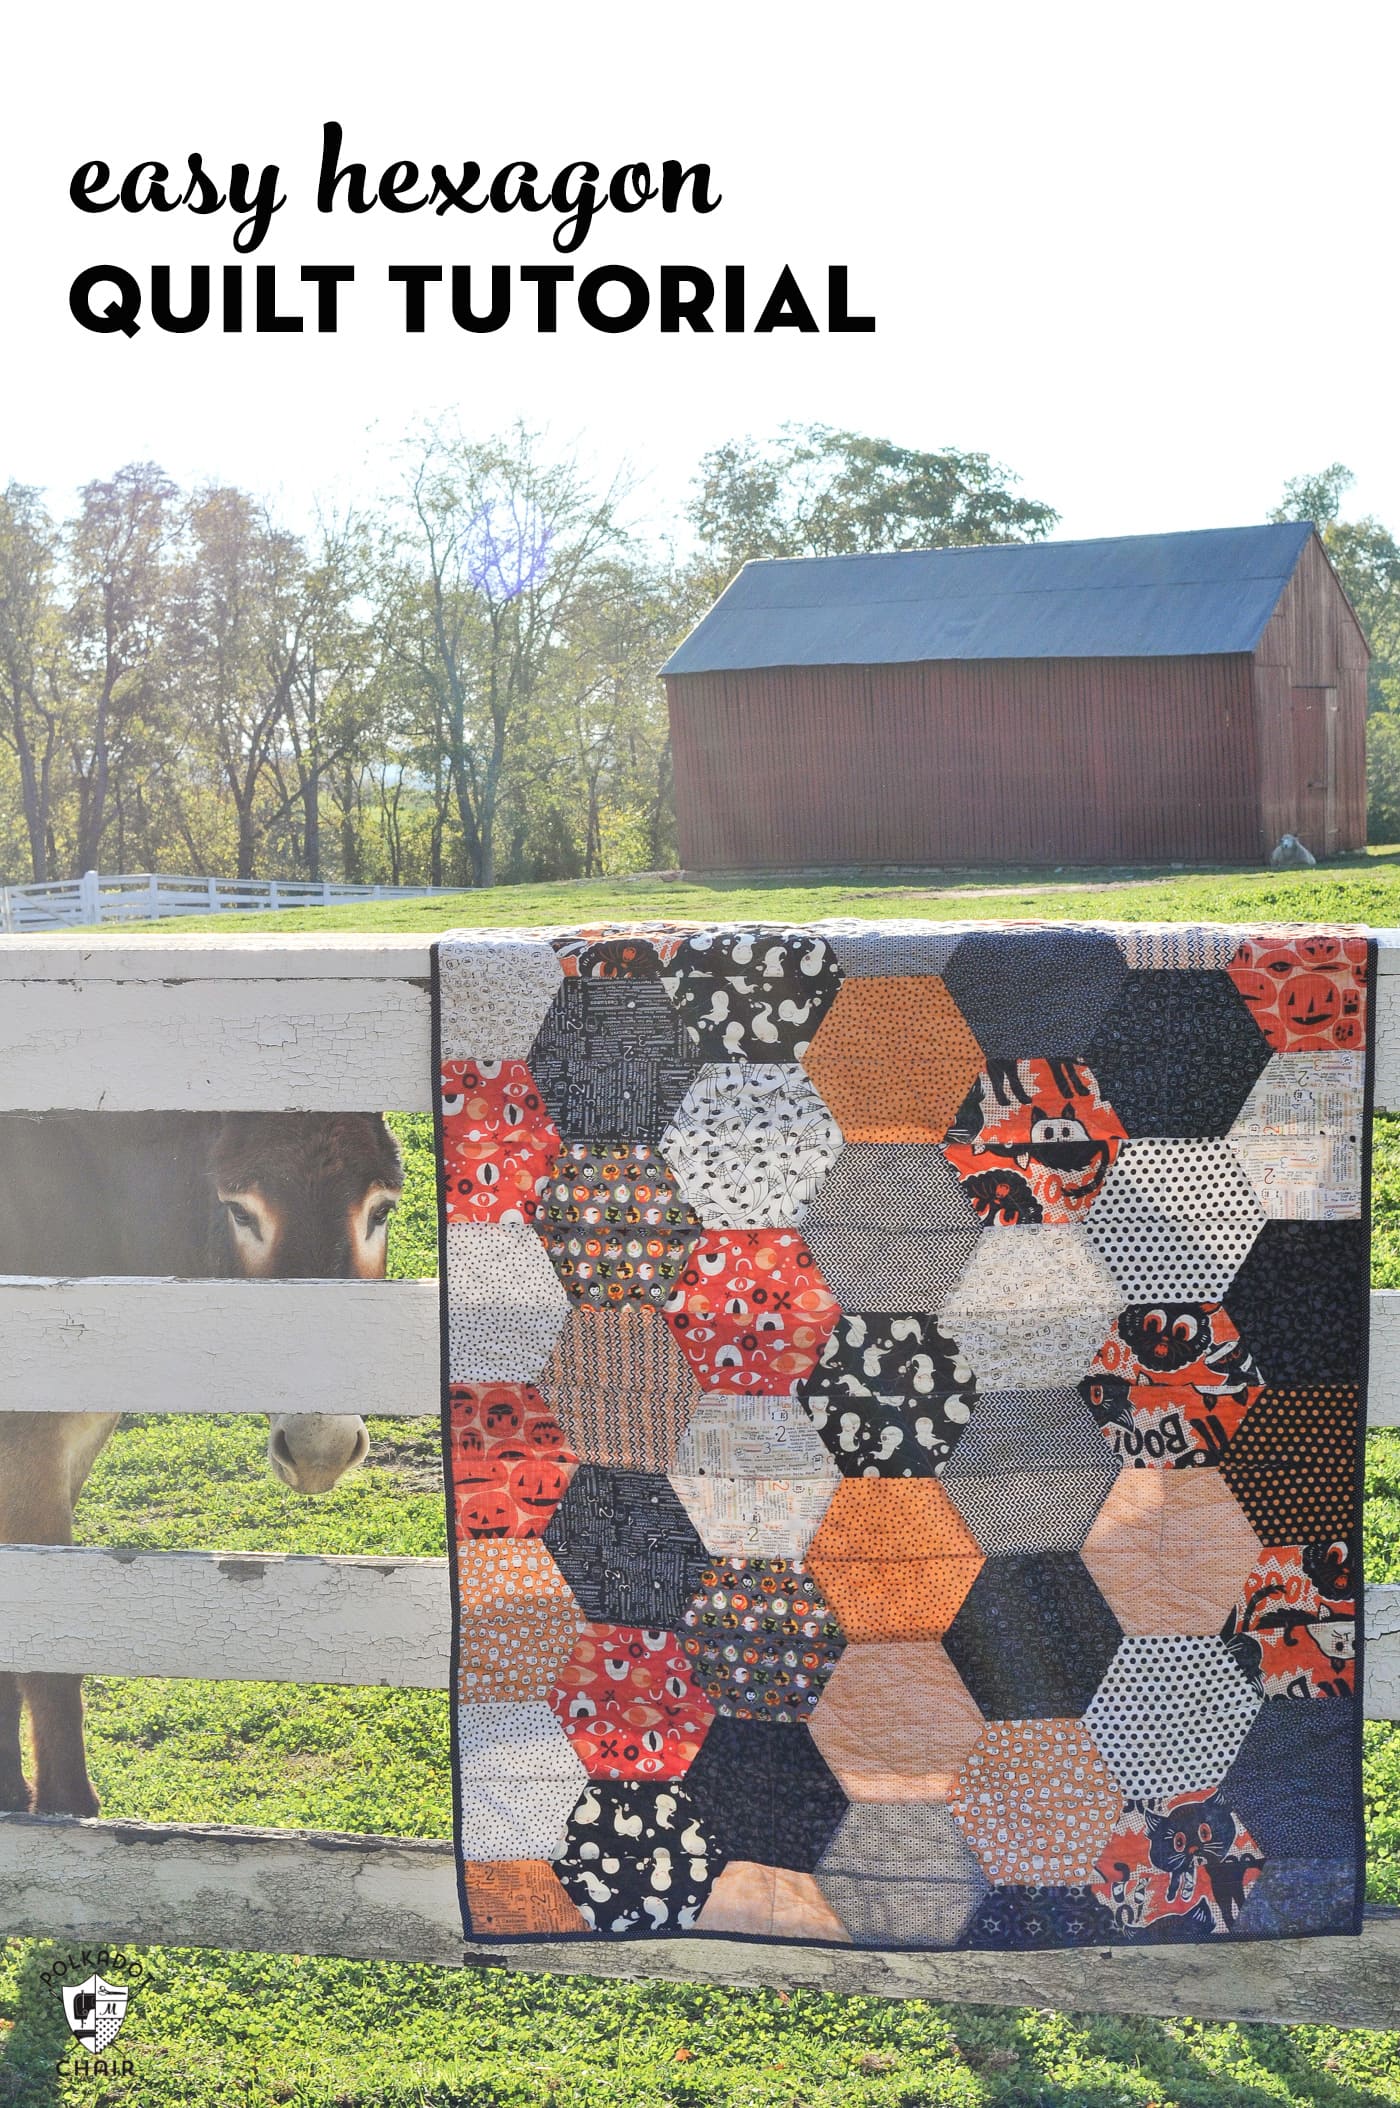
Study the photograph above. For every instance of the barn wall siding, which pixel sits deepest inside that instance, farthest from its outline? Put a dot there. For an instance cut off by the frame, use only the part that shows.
(1312, 643)
(971, 762)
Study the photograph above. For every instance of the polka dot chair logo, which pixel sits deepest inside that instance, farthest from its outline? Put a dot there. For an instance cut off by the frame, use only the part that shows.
(95, 2011)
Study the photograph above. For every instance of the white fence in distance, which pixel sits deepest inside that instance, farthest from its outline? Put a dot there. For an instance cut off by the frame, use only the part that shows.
(152, 896)
(261, 1022)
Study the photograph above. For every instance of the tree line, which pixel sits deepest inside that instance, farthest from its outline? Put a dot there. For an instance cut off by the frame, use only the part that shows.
(454, 685)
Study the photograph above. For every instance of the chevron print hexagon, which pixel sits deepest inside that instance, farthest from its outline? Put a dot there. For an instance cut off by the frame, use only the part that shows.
(1033, 1142)
(761, 1639)
(901, 1875)
(1177, 1053)
(1170, 1551)
(893, 1058)
(1179, 1867)
(751, 1311)
(1305, 989)
(612, 1059)
(754, 1477)
(1299, 1136)
(1172, 1383)
(752, 993)
(622, 1389)
(1170, 1715)
(1036, 1801)
(505, 1308)
(890, 1395)
(1031, 1472)
(498, 1142)
(614, 1223)
(519, 1779)
(1035, 989)
(637, 1858)
(492, 994)
(891, 1229)
(1175, 1219)
(1031, 1307)
(751, 1144)
(627, 1704)
(896, 1721)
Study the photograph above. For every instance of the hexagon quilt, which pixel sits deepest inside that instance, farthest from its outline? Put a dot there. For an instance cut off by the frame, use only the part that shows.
(903, 1386)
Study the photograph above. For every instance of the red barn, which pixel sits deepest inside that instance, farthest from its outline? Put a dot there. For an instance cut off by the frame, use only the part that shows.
(1147, 699)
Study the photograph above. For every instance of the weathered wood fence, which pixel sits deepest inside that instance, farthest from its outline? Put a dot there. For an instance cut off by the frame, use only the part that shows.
(154, 896)
(342, 1023)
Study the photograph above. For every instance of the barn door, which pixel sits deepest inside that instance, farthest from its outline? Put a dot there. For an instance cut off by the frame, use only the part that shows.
(1315, 768)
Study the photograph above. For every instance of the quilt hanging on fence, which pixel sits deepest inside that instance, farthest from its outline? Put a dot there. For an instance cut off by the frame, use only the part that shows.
(903, 1409)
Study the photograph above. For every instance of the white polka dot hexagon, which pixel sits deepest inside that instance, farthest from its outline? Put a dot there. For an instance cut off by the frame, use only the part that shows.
(506, 1306)
(1175, 1220)
(519, 1777)
(751, 1144)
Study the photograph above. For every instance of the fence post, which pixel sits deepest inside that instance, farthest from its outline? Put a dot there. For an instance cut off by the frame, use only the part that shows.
(272, 899)
(5, 910)
(89, 900)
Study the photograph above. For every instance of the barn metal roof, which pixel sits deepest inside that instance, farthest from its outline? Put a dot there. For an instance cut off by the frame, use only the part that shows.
(1128, 596)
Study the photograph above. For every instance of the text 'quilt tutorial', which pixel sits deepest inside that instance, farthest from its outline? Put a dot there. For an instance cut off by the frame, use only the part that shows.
(903, 1409)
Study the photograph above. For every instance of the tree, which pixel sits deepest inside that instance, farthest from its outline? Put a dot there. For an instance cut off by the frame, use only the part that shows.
(816, 491)
(32, 656)
(119, 550)
(492, 546)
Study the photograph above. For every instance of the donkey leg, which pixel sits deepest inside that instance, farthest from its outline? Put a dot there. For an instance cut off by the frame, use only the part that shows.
(61, 1782)
(14, 1787)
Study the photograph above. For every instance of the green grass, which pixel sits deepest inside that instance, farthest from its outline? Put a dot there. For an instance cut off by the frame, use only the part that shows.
(1364, 887)
(211, 2029)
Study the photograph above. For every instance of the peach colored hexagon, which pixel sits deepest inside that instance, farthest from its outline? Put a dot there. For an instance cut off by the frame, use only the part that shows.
(896, 1722)
(1171, 1551)
(772, 1901)
(894, 1559)
(1037, 1801)
(893, 1058)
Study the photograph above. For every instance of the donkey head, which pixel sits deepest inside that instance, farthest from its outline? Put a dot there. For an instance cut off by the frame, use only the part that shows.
(306, 1196)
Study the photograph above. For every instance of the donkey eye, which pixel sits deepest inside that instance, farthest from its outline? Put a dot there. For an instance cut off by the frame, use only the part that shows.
(380, 1213)
(243, 1217)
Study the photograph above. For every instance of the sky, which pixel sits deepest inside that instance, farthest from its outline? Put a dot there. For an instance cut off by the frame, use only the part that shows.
(1142, 255)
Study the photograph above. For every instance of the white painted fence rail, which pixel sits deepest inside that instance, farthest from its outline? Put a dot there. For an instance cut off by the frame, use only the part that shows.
(327, 1023)
(151, 896)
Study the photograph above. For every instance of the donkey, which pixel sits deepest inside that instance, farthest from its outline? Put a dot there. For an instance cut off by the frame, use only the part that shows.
(262, 1195)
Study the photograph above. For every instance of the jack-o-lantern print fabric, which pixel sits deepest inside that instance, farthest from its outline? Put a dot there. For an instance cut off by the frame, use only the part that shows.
(903, 1404)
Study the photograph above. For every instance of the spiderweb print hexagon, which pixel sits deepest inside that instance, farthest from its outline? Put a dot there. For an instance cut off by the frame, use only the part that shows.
(1175, 1219)
(751, 1144)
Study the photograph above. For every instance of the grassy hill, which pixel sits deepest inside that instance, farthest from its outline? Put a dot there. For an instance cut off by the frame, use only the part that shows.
(210, 2029)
